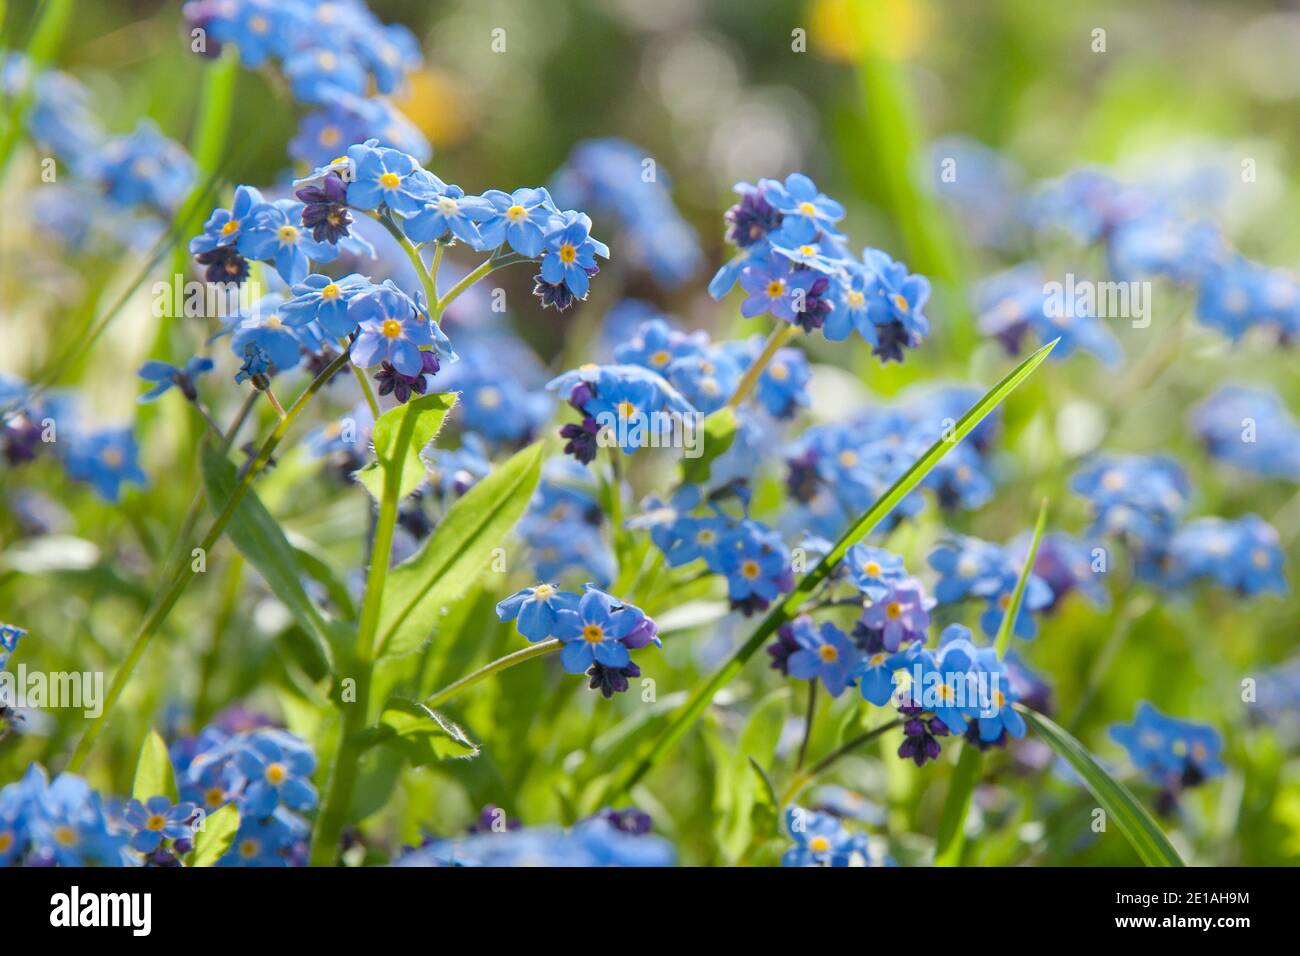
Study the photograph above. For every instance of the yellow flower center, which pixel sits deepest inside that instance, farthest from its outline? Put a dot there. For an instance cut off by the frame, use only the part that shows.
(876, 660)
(707, 536)
(391, 328)
(259, 24)
(871, 569)
(6, 840)
(543, 591)
(776, 288)
(230, 227)
(156, 822)
(448, 206)
(489, 397)
(900, 303)
(568, 253)
(331, 291)
(276, 774)
(111, 457)
(1112, 481)
(214, 797)
(327, 60)
(828, 653)
(287, 234)
(808, 209)
(848, 458)
(856, 299)
(660, 358)
(749, 569)
(626, 409)
(516, 213)
(273, 321)
(65, 836)
(389, 180)
(893, 610)
(248, 848)
(807, 250)
(593, 633)
(819, 844)
(330, 136)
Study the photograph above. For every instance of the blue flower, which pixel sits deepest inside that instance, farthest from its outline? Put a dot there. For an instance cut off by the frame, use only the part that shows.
(276, 235)
(448, 211)
(258, 29)
(156, 820)
(1231, 295)
(1250, 429)
(570, 256)
(1036, 597)
(317, 75)
(264, 328)
(798, 198)
(753, 558)
(536, 610)
(820, 839)
(273, 768)
(1243, 555)
(873, 570)
(107, 460)
(1136, 497)
(968, 567)
(1174, 753)
(901, 615)
(945, 681)
(69, 826)
(392, 330)
(388, 177)
(266, 841)
(593, 632)
(520, 218)
(875, 674)
(656, 344)
(783, 386)
(996, 716)
(325, 301)
(225, 226)
(706, 380)
(169, 375)
(688, 538)
(824, 652)
(145, 168)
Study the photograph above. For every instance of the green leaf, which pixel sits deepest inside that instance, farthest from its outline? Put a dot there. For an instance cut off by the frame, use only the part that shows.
(456, 554)
(1018, 595)
(422, 735)
(216, 837)
(261, 540)
(703, 696)
(952, 822)
(719, 433)
(400, 435)
(1116, 799)
(153, 771)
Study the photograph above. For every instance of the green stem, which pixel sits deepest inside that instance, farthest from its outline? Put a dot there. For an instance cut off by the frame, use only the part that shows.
(803, 778)
(417, 261)
(808, 725)
(780, 335)
(162, 607)
(220, 626)
(487, 670)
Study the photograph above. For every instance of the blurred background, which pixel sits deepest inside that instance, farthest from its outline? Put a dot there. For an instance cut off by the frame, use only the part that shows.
(870, 99)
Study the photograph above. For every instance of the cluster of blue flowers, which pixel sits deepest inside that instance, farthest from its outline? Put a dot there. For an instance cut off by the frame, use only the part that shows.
(971, 569)
(387, 327)
(266, 773)
(331, 52)
(1018, 303)
(794, 264)
(610, 838)
(598, 631)
(1174, 754)
(564, 529)
(1249, 429)
(53, 423)
(616, 177)
(1142, 500)
(954, 688)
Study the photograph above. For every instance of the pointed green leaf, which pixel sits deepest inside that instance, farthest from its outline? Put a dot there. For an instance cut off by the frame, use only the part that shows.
(422, 735)
(216, 837)
(261, 540)
(456, 554)
(783, 612)
(1018, 595)
(1133, 820)
(401, 433)
(153, 771)
(951, 838)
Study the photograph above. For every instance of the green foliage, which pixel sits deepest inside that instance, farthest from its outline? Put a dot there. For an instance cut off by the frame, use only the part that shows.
(401, 433)
(216, 837)
(154, 776)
